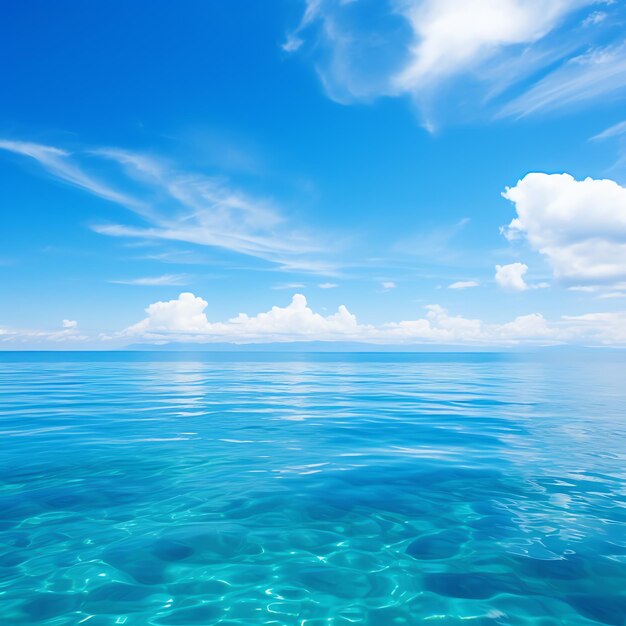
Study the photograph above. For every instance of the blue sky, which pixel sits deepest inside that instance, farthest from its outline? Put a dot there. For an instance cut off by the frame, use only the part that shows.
(342, 162)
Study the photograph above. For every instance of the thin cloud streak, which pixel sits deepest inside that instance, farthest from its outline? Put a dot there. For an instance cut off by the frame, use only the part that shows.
(155, 281)
(177, 205)
(599, 73)
(613, 131)
(464, 284)
(58, 163)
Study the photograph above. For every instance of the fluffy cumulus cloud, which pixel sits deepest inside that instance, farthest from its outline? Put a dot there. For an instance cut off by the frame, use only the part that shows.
(579, 226)
(296, 320)
(185, 319)
(530, 48)
(511, 276)
(438, 326)
(183, 315)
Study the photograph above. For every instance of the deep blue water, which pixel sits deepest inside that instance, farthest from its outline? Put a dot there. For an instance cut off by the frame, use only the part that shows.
(376, 489)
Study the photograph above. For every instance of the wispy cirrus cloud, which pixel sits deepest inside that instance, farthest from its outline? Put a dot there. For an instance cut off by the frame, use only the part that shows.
(525, 56)
(175, 204)
(511, 276)
(154, 281)
(283, 286)
(598, 73)
(613, 131)
(60, 164)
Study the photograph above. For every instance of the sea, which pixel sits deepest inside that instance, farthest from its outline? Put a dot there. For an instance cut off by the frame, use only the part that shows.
(310, 489)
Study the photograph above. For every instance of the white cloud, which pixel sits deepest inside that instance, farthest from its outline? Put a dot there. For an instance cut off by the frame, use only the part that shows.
(292, 43)
(178, 205)
(464, 284)
(387, 285)
(411, 47)
(579, 226)
(328, 285)
(185, 319)
(511, 276)
(155, 281)
(611, 295)
(296, 319)
(532, 326)
(214, 214)
(595, 18)
(436, 326)
(451, 36)
(600, 73)
(183, 315)
(583, 288)
(597, 328)
(59, 163)
(613, 131)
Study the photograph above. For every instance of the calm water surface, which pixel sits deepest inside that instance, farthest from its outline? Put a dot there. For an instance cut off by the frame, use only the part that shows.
(153, 489)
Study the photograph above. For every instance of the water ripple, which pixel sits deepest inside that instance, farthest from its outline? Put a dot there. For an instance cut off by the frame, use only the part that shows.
(312, 489)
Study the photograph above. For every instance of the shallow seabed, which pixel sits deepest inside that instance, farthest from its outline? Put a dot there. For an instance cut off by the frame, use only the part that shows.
(170, 489)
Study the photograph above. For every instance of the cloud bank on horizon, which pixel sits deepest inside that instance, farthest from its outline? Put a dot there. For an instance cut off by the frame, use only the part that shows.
(184, 320)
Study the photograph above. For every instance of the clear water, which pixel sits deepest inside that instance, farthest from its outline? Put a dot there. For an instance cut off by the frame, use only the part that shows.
(312, 489)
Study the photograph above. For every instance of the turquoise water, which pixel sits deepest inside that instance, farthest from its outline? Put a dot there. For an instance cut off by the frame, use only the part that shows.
(156, 489)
